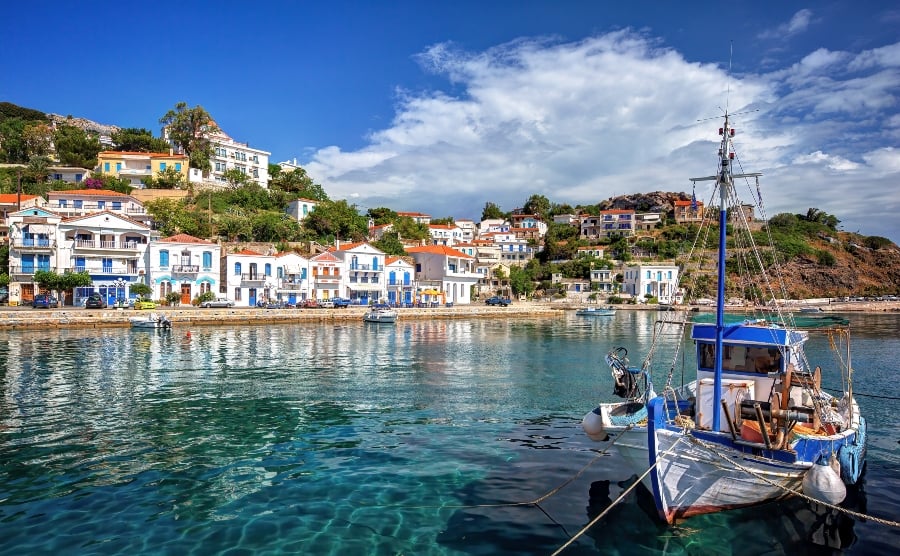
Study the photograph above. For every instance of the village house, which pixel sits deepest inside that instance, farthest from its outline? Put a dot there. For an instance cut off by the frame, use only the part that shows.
(651, 280)
(184, 264)
(248, 277)
(452, 269)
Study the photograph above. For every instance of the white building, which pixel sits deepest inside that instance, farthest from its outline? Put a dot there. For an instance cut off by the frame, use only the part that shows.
(445, 234)
(292, 276)
(363, 271)
(230, 154)
(453, 269)
(651, 280)
(248, 277)
(110, 247)
(401, 283)
(185, 264)
(301, 208)
(325, 269)
(34, 244)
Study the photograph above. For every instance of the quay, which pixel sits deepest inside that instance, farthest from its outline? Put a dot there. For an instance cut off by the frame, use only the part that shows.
(25, 318)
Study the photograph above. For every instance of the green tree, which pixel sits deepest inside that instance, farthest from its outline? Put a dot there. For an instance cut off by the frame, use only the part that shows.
(538, 205)
(409, 229)
(38, 138)
(134, 139)
(274, 227)
(235, 178)
(520, 282)
(189, 129)
(877, 242)
(491, 211)
(170, 178)
(38, 170)
(298, 183)
(447, 220)
(333, 219)
(382, 215)
(13, 149)
(142, 290)
(75, 147)
(391, 245)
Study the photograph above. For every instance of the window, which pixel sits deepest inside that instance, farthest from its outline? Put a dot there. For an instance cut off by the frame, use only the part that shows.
(648, 275)
(79, 264)
(63, 203)
(107, 264)
(43, 262)
(177, 166)
(237, 292)
(118, 167)
(267, 269)
(303, 274)
(207, 260)
(106, 166)
(78, 203)
(237, 269)
(101, 204)
(280, 272)
(117, 205)
(162, 166)
(57, 177)
(164, 259)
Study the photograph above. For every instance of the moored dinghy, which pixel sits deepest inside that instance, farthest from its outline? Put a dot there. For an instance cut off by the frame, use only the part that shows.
(754, 425)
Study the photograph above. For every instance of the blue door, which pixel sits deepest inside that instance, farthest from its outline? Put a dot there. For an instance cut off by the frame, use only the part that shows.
(252, 297)
(392, 297)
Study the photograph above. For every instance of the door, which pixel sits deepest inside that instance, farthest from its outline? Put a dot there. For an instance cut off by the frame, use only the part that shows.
(185, 294)
(252, 297)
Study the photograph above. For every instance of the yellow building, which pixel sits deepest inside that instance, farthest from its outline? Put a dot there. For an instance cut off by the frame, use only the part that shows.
(137, 166)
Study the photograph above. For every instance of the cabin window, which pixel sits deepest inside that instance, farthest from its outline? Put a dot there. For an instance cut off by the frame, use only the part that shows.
(754, 359)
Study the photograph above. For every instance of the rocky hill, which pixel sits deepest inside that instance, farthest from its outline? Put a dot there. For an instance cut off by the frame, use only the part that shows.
(658, 201)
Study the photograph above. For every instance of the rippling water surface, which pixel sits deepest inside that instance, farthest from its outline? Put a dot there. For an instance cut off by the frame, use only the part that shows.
(354, 439)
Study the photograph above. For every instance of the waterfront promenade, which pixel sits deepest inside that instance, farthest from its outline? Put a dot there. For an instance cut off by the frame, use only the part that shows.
(14, 318)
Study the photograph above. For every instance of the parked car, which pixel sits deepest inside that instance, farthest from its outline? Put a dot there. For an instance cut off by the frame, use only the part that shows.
(217, 302)
(340, 302)
(44, 301)
(326, 304)
(310, 304)
(144, 304)
(497, 300)
(95, 301)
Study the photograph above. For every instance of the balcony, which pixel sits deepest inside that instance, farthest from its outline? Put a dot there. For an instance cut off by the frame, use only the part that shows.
(24, 273)
(106, 245)
(95, 269)
(326, 280)
(366, 267)
(251, 280)
(290, 286)
(185, 269)
(34, 244)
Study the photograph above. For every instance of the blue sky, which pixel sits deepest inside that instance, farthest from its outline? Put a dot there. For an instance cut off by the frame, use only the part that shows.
(439, 107)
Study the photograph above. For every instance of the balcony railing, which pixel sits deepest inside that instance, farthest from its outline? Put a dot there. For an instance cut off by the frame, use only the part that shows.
(105, 244)
(366, 267)
(116, 270)
(186, 268)
(290, 286)
(253, 278)
(34, 244)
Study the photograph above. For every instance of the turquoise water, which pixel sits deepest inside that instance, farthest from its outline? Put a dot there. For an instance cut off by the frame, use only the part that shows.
(355, 439)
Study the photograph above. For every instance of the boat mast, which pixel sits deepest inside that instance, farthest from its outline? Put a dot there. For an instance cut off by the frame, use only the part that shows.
(725, 182)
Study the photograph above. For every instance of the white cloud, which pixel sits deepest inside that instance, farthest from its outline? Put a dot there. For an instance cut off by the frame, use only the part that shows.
(799, 23)
(583, 121)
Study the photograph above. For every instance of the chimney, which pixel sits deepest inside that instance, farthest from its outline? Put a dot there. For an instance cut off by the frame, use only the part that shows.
(171, 151)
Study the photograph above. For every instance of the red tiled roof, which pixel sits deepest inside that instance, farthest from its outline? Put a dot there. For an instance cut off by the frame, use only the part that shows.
(12, 198)
(185, 238)
(687, 203)
(438, 250)
(93, 214)
(248, 252)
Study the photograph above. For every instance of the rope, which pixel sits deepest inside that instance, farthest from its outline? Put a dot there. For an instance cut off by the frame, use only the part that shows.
(859, 515)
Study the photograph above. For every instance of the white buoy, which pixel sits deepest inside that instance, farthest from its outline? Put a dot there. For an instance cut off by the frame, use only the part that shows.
(593, 426)
(823, 482)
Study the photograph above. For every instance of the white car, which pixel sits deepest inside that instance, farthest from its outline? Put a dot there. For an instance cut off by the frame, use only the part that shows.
(218, 302)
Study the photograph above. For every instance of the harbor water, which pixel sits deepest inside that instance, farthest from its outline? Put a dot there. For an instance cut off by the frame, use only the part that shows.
(424, 437)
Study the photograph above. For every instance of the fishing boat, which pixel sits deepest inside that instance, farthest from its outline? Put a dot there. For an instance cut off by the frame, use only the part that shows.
(150, 321)
(380, 313)
(607, 311)
(752, 424)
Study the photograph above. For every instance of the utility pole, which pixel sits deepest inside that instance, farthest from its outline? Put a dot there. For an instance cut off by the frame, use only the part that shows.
(19, 190)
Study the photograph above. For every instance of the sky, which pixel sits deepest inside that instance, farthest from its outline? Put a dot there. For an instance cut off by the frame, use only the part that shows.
(441, 107)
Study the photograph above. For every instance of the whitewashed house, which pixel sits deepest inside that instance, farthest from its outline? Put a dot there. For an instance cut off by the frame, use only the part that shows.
(364, 272)
(110, 247)
(326, 271)
(299, 209)
(651, 280)
(185, 264)
(445, 234)
(292, 276)
(401, 284)
(454, 270)
(34, 244)
(248, 277)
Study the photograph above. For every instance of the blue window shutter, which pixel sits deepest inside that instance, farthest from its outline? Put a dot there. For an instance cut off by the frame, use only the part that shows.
(118, 167)
(106, 166)
(163, 258)
(177, 166)
(162, 166)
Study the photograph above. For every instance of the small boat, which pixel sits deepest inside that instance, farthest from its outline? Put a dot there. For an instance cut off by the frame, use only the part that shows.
(380, 314)
(150, 321)
(607, 311)
(753, 423)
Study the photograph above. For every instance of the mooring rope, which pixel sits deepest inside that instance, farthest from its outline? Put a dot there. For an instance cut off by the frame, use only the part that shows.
(853, 513)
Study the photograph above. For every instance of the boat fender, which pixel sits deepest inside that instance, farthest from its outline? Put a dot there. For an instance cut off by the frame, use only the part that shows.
(592, 423)
(823, 483)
